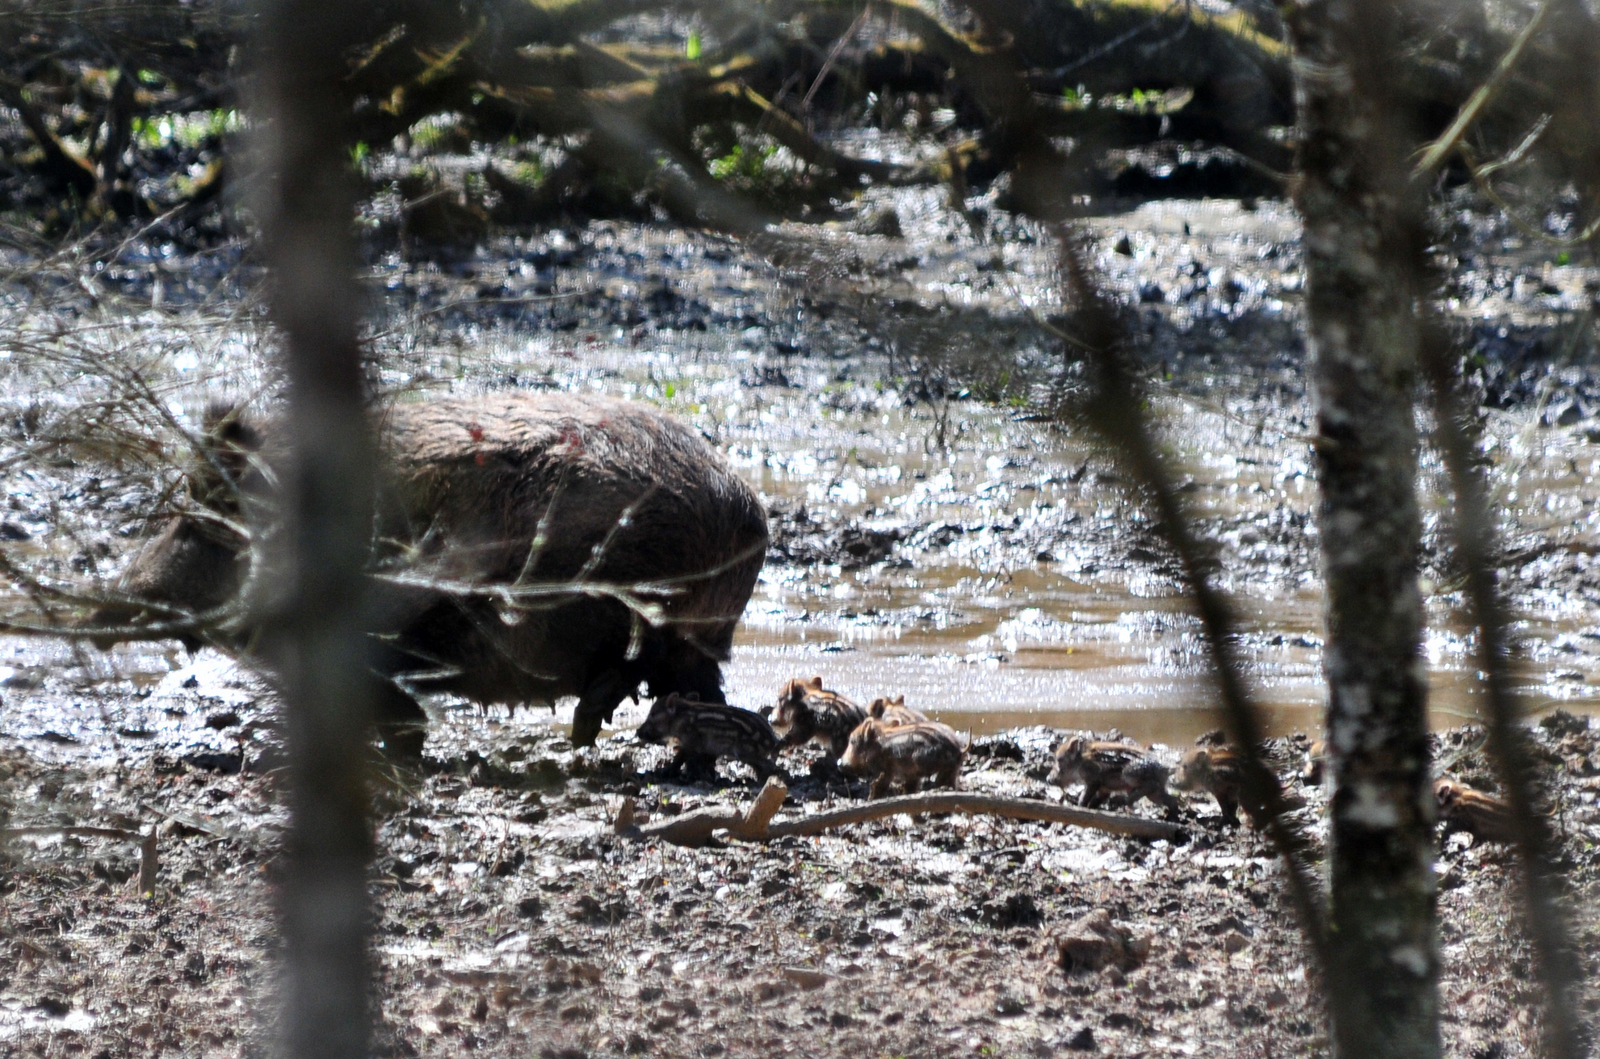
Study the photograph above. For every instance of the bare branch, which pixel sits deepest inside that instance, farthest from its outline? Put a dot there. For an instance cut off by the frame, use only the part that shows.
(1475, 104)
(1116, 410)
(697, 828)
(1476, 547)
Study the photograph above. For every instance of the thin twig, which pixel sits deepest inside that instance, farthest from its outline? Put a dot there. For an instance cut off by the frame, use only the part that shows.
(1475, 544)
(1481, 98)
(1116, 411)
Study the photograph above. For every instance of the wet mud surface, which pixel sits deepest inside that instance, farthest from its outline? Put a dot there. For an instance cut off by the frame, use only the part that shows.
(512, 920)
(933, 536)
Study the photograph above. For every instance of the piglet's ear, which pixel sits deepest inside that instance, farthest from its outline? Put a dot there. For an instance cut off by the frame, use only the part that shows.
(816, 682)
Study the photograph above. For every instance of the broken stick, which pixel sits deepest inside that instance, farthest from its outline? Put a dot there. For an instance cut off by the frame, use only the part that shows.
(696, 828)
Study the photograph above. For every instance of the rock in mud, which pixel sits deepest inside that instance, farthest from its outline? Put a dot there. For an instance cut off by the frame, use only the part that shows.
(1094, 942)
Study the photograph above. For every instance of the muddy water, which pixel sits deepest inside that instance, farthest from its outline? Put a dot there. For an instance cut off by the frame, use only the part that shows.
(986, 645)
(1013, 582)
(1011, 598)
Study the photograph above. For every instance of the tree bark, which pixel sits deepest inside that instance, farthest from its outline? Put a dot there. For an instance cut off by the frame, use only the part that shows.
(312, 617)
(1363, 239)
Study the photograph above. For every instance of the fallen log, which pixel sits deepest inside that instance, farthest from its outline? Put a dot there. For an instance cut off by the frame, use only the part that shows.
(755, 824)
(66, 170)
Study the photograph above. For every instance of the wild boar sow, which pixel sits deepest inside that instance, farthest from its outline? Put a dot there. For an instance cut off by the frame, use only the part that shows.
(527, 547)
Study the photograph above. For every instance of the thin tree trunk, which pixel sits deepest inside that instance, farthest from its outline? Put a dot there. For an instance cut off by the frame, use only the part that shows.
(1363, 240)
(312, 619)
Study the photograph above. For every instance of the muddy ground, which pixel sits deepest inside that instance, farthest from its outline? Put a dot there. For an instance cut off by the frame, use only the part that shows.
(931, 533)
(511, 920)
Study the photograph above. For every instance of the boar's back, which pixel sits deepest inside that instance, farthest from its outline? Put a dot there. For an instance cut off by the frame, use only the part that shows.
(551, 489)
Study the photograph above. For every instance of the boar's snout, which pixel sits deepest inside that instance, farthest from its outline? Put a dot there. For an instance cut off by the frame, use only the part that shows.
(193, 566)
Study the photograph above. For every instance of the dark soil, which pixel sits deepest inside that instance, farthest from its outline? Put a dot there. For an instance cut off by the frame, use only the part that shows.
(511, 920)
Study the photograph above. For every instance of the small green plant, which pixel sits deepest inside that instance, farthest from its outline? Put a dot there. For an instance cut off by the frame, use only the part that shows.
(691, 50)
(185, 130)
(529, 171)
(152, 133)
(360, 151)
(741, 163)
(435, 131)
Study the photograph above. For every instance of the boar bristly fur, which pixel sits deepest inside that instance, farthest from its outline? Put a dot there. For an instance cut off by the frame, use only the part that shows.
(527, 547)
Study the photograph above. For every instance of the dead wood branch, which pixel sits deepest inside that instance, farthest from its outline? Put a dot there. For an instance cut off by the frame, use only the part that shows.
(754, 824)
(970, 804)
(742, 104)
(149, 856)
(1474, 106)
(696, 829)
(61, 166)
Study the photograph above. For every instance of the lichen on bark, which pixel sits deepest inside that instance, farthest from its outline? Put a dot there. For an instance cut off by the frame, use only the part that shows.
(1364, 235)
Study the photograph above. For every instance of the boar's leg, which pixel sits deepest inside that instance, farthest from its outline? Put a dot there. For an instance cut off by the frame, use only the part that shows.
(765, 769)
(597, 704)
(674, 768)
(700, 768)
(695, 676)
(402, 724)
(1229, 804)
(796, 736)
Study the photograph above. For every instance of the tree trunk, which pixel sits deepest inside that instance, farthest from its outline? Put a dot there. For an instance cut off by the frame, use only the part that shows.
(313, 618)
(1363, 240)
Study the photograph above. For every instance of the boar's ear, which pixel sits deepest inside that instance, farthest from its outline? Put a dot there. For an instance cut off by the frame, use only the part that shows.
(899, 700)
(229, 428)
(228, 446)
(816, 682)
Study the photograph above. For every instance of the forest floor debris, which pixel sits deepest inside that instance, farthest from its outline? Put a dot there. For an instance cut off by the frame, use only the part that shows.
(513, 920)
